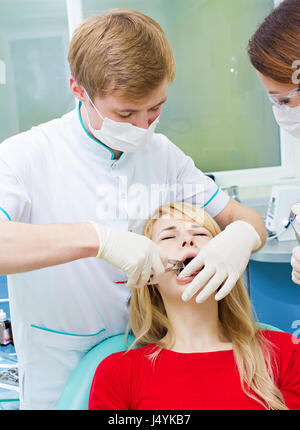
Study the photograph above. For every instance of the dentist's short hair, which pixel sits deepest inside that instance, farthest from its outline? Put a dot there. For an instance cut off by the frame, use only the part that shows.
(120, 50)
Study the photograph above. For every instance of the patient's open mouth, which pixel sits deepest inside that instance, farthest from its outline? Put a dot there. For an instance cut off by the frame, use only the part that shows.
(185, 263)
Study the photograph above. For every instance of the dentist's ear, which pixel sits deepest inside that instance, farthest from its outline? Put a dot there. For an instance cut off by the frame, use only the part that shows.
(77, 90)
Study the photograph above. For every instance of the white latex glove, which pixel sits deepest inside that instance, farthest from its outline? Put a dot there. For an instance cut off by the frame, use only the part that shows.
(296, 210)
(295, 260)
(137, 255)
(223, 259)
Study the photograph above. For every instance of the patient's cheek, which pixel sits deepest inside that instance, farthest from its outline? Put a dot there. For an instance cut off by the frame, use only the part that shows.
(165, 278)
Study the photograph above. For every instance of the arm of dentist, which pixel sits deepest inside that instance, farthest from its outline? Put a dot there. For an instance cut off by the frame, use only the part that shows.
(223, 260)
(25, 247)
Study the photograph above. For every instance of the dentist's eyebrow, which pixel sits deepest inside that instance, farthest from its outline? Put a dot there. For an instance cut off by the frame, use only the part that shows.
(134, 111)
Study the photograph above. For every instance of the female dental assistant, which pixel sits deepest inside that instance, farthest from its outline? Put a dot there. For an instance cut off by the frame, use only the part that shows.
(82, 186)
(274, 51)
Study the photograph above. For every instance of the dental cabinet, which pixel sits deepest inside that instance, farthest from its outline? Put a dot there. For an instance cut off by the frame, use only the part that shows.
(275, 297)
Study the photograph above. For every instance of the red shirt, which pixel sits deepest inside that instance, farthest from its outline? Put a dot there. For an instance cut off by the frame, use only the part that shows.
(194, 381)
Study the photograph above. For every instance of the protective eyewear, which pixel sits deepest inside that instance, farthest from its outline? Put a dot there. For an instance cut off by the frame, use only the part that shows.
(282, 100)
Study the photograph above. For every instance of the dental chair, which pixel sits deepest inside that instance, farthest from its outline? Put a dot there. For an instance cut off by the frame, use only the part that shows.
(75, 395)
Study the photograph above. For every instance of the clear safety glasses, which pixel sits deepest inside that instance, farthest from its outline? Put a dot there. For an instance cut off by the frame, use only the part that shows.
(282, 100)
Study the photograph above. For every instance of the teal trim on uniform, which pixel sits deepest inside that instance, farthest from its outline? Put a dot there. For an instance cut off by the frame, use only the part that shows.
(211, 198)
(5, 213)
(67, 334)
(8, 400)
(91, 137)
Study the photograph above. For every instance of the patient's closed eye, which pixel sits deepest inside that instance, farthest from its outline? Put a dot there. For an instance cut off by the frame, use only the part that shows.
(173, 237)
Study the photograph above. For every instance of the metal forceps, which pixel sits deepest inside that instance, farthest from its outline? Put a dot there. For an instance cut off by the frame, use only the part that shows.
(292, 218)
(176, 265)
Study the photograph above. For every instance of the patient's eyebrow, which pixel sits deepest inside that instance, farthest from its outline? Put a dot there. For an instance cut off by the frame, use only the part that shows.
(173, 227)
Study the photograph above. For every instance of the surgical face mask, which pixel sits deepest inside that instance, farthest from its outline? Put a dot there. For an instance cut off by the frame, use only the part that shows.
(289, 119)
(121, 136)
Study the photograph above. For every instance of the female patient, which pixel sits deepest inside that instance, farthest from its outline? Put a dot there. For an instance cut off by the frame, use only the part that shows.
(196, 356)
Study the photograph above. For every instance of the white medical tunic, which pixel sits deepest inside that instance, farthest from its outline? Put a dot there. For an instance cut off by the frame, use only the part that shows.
(58, 173)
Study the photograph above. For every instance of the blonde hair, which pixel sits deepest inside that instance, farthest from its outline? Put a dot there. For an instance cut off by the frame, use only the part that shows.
(120, 49)
(253, 353)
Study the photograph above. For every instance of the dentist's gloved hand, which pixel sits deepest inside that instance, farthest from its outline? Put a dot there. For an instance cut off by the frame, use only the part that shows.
(221, 260)
(295, 260)
(137, 255)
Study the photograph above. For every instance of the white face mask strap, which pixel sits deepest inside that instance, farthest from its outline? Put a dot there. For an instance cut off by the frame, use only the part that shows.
(93, 105)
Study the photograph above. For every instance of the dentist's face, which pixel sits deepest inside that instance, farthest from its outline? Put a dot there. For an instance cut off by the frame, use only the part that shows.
(181, 239)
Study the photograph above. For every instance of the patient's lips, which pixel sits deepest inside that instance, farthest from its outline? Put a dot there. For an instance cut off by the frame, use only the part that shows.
(187, 279)
(187, 259)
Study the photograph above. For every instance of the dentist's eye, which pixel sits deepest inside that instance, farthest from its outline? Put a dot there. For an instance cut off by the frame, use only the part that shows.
(125, 116)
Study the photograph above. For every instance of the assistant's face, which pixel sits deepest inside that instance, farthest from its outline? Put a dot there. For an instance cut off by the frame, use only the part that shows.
(283, 90)
(181, 239)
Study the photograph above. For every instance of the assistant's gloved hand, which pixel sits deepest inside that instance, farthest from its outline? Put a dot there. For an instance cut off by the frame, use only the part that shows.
(223, 259)
(295, 260)
(137, 255)
(296, 210)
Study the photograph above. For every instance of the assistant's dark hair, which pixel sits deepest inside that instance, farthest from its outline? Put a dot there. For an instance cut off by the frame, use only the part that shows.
(276, 44)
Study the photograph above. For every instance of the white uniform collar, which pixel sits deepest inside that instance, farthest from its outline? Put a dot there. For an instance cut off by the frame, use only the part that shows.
(93, 144)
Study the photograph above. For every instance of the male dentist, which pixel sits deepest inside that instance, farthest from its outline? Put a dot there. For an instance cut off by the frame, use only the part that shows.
(72, 192)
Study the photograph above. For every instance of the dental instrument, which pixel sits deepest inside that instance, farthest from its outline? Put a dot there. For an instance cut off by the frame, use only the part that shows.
(292, 218)
(176, 265)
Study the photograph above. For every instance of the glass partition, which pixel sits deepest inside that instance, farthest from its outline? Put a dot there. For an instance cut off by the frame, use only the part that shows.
(217, 110)
(34, 71)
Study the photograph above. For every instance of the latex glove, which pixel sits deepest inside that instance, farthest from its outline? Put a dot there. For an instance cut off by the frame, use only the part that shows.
(137, 255)
(223, 259)
(295, 262)
(296, 210)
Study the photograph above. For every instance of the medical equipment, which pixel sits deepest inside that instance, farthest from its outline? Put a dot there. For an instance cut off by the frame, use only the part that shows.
(5, 329)
(176, 265)
(10, 376)
(291, 220)
(282, 198)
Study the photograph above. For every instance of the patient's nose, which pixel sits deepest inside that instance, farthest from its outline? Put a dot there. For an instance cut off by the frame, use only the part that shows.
(188, 241)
